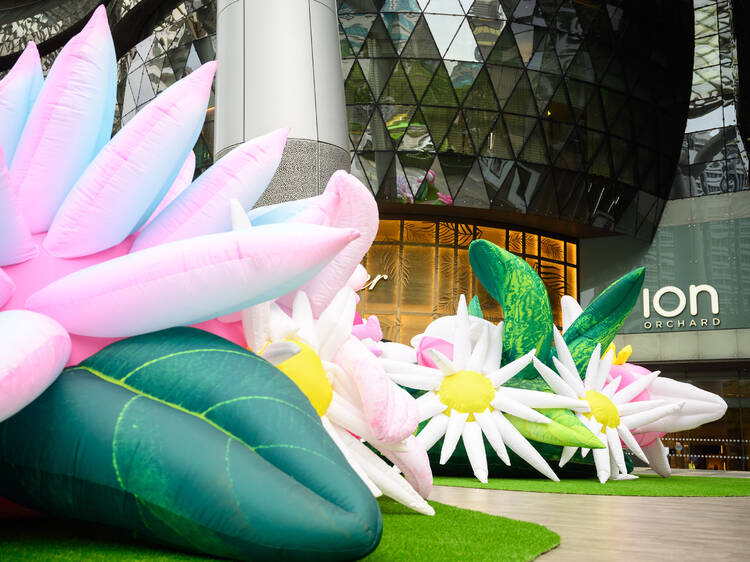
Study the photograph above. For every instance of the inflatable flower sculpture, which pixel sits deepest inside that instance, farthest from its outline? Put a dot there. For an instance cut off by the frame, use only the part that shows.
(86, 258)
(647, 405)
(465, 397)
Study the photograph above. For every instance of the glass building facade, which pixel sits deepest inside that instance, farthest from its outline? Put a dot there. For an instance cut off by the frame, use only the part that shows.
(570, 110)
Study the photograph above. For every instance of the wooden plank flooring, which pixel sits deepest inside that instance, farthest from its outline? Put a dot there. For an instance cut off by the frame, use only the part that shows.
(604, 528)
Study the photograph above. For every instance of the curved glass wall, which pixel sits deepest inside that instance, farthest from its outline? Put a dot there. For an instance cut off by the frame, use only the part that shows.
(418, 269)
(568, 109)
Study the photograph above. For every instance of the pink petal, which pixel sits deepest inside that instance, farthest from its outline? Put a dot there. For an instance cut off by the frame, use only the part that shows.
(415, 465)
(15, 239)
(181, 183)
(370, 329)
(427, 343)
(7, 287)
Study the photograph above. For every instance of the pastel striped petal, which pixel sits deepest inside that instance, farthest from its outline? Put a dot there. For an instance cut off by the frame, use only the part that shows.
(16, 245)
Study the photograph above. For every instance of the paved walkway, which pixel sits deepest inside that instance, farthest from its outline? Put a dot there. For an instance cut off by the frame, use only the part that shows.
(604, 528)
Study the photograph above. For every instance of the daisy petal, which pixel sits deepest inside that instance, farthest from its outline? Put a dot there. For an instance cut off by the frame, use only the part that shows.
(303, 317)
(536, 399)
(591, 379)
(415, 465)
(456, 424)
(281, 327)
(446, 366)
(504, 374)
(656, 453)
(278, 352)
(255, 325)
(519, 445)
(433, 431)
(494, 353)
(472, 438)
(394, 366)
(566, 455)
(630, 442)
(553, 380)
(601, 461)
(335, 323)
(635, 421)
(635, 388)
(570, 377)
(412, 380)
(565, 357)
(479, 353)
(509, 405)
(461, 339)
(615, 449)
(611, 387)
(333, 434)
(640, 406)
(429, 405)
(489, 426)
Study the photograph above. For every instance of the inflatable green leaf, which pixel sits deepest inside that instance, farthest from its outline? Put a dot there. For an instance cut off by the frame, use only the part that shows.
(603, 318)
(475, 309)
(527, 325)
(187, 439)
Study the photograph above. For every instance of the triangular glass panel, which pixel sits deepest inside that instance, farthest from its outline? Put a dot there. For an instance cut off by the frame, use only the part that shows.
(627, 173)
(587, 15)
(346, 67)
(440, 91)
(494, 170)
(438, 120)
(535, 150)
(620, 151)
(356, 27)
(358, 171)
(455, 167)
(445, 7)
(376, 136)
(573, 201)
(580, 93)
(482, 95)
(356, 6)
(415, 166)
(547, 9)
(615, 16)
(439, 185)
(462, 75)
(486, 33)
(506, 50)
(479, 124)
(128, 102)
(626, 222)
(464, 46)
(600, 166)
(378, 43)
(417, 136)
(466, 5)
(497, 144)
(566, 49)
(388, 189)
(400, 27)
(144, 47)
(423, 3)
(398, 90)
(492, 8)
(377, 72)
(420, 73)
(400, 6)
(599, 27)
(397, 118)
(556, 134)
(570, 156)
(524, 11)
(344, 46)
(614, 76)
(507, 196)
(356, 89)
(545, 57)
(443, 28)
(543, 200)
(522, 99)
(581, 66)
(613, 103)
(145, 89)
(402, 184)
(524, 35)
(358, 116)
(376, 167)
(503, 80)
(178, 58)
(458, 140)
(473, 192)
(593, 115)
(193, 61)
(544, 86)
(421, 45)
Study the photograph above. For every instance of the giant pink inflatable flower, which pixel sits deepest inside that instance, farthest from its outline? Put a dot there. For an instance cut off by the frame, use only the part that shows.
(85, 255)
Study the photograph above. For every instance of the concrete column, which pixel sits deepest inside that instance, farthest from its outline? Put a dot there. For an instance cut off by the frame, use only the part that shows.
(280, 66)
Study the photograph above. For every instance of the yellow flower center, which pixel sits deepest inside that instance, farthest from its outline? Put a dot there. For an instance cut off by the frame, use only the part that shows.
(306, 370)
(603, 409)
(467, 392)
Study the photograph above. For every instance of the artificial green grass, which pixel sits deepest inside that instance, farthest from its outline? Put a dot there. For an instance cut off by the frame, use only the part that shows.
(645, 485)
(458, 534)
(452, 534)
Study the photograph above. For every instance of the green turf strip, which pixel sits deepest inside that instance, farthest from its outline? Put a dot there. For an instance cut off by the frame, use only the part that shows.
(452, 534)
(645, 485)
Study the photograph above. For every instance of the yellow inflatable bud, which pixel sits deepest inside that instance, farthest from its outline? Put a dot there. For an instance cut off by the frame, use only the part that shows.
(306, 370)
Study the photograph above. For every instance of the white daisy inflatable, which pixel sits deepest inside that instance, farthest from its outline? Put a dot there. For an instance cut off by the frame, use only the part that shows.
(610, 412)
(465, 397)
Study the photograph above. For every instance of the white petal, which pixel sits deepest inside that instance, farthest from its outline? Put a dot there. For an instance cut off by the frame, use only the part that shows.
(420, 382)
(386, 478)
(344, 414)
(446, 366)
(504, 374)
(281, 327)
(604, 366)
(278, 352)
(240, 220)
(566, 455)
(452, 434)
(343, 383)
(615, 449)
(634, 388)
(553, 380)
(489, 426)
(571, 310)
(630, 442)
(303, 317)
(393, 366)
(591, 379)
(255, 325)
(335, 323)
(635, 421)
(640, 406)
(474, 443)
(570, 377)
(494, 353)
(611, 387)
(601, 461)
(656, 453)
(462, 336)
(429, 405)
(519, 445)
(398, 352)
(349, 456)
(565, 357)
(479, 353)
(433, 431)
(517, 409)
(537, 399)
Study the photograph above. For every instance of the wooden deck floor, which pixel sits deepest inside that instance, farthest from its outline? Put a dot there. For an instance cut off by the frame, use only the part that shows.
(631, 528)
